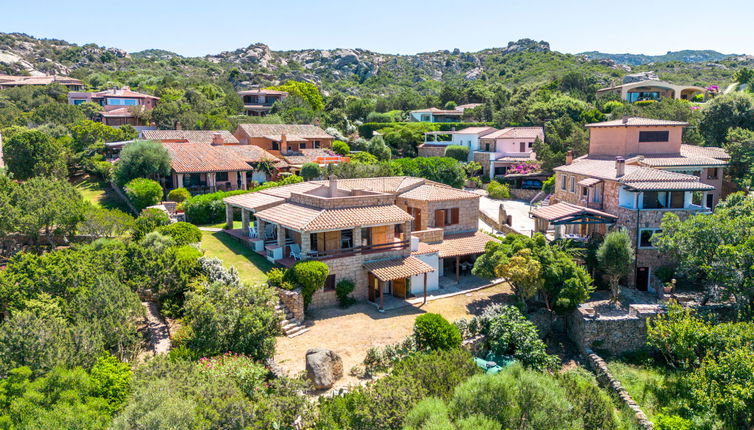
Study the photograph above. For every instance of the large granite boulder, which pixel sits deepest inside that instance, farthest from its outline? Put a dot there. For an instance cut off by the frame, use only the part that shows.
(323, 367)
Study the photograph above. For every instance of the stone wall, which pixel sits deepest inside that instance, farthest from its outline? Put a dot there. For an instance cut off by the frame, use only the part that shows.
(483, 158)
(431, 150)
(430, 235)
(606, 379)
(294, 301)
(613, 334)
(468, 214)
(521, 194)
(497, 224)
(343, 201)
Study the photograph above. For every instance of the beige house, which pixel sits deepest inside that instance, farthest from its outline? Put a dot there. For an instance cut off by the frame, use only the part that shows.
(652, 90)
(11, 81)
(258, 101)
(120, 106)
(394, 237)
(637, 170)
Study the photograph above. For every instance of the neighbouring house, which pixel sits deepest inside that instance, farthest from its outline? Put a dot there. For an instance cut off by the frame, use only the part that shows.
(120, 106)
(394, 237)
(637, 169)
(209, 137)
(496, 150)
(10, 81)
(258, 101)
(653, 90)
(468, 137)
(295, 160)
(436, 115)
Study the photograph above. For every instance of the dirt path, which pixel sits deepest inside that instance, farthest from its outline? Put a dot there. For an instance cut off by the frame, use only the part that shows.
(352, 331)
(158, 330)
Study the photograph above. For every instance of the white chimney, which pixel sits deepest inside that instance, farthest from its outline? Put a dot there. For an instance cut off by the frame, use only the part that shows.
(620, 167)
(333, 186)
(414, 243)
(625, 119)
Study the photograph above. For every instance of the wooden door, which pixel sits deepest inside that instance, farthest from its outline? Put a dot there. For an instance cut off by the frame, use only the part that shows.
(642, 278)
(399, 288)
(381, 234)
(439, 218)
(373, 287)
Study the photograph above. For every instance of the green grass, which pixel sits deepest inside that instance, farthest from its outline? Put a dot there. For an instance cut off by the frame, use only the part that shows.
(250, 265)
(236, 225)
(655, 389)
(100, 194)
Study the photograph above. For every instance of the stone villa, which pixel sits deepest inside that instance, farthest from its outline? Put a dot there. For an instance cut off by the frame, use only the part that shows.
(392, 236)
(121, 106)
(636, 170)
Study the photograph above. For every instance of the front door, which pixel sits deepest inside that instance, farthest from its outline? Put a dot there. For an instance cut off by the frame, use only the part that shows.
(642, 278)
(399, 288)
(374, 285)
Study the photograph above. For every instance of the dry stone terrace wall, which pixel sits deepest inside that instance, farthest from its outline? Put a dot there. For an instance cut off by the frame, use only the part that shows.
(521, 194)
(294, 301)
(431, 151)
(613, 334)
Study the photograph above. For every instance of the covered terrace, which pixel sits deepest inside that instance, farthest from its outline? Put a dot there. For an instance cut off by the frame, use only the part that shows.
(570, 221)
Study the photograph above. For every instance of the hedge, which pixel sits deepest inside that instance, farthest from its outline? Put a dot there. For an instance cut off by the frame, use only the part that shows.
(208, 208)
(367, 129)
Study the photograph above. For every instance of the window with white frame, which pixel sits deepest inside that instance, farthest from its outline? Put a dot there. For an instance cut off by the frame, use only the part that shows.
(563, 182)
(572, 187)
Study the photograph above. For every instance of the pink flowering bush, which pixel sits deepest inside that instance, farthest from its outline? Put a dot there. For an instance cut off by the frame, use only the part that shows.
(524, 168)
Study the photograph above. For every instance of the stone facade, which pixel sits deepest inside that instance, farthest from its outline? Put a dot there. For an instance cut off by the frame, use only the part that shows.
(351, 267)
(430, 235)
(483, 158)
(359, 199)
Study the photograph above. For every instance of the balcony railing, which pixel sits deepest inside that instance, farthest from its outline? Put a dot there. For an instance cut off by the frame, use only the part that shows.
(343, 252)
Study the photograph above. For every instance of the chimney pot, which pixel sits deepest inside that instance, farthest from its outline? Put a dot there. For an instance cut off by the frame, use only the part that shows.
(333, 185)
(217, 138)
(625, 119)
(620, 167)
(569, 157)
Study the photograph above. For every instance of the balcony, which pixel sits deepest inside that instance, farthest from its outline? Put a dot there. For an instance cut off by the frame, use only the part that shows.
(396, 245)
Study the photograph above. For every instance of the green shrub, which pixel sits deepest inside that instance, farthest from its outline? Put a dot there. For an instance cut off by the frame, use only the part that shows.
(143, 192)
(341, 148)
(498, 191)
(439, 372)
(275, 276)
(343, 290)
(460, 153)
(178, 195)
(434, 332)
(665, 273)
(310, 171)
(149, 221)
(183, 233)
(310, 276)
(208, 208)
(672, 422)
(594, 406)
(101, 169)
(548, 186)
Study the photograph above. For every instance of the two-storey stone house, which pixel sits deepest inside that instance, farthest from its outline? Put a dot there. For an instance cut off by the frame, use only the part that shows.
(637, 170)
(390, 236)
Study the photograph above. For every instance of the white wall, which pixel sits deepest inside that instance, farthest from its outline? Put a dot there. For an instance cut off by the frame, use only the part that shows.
(470, 141)
(512, 146)
(433, 278)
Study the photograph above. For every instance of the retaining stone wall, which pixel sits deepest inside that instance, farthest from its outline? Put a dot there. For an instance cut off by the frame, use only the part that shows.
(608, 381)
(613, 334)
(294, 301)
(520, 194)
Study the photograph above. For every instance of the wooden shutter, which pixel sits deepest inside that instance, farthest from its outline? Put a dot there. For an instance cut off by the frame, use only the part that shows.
(417, 219)
(439, 218)
(454, 216)
(522, 147)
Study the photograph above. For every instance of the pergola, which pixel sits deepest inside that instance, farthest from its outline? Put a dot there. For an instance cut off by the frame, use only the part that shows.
(397, 268)
(564, 213)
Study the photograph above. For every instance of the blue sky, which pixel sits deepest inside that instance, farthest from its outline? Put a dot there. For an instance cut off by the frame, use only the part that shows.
(194, 28)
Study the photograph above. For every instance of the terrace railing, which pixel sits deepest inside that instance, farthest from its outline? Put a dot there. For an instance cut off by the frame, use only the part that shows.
(344, 252)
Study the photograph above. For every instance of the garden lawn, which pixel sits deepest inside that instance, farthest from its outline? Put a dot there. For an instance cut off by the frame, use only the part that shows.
(236, 225)
(250, 265)
(100, 194)
(652, 388)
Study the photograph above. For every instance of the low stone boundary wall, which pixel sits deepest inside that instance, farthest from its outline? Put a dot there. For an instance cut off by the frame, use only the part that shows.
(294, 301)
(521, 194)
(613, 334)
(123, 197)
(608, 381)
(496, 224)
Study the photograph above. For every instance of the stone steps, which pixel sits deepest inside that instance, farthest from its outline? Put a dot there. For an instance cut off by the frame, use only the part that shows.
(288, 324)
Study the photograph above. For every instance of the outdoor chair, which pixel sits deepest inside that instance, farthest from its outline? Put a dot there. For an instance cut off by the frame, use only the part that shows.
(295, 251)
(253, 232)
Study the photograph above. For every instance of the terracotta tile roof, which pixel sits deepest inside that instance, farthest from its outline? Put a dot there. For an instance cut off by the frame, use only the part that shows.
(588, 182)
(189, 136)
(398, 268)
(704, 151)
(436, 111)
(304, 218)
(254, 201)
(425, 248)
(386, 184)
(638, 122)
(518, 133)
(250, 154)
(303, 130)
(262, 91)
(558, 211)
(123, 92)
(303, 156)
(691, 156)
(463, 244)
(437, 193)
(482, 131)
(121, 112)
(286, 190)
(288, 138)
(468, 106)
(200, 158)
(649, 179)
(602, 168)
